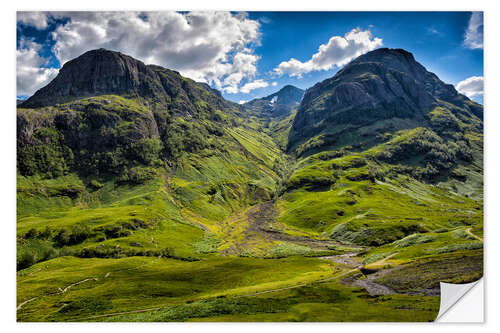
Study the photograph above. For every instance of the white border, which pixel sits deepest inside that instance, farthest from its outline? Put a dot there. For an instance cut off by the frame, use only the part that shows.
(7, 165)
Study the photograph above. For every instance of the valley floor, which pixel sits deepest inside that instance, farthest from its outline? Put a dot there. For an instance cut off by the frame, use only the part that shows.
(329, 282)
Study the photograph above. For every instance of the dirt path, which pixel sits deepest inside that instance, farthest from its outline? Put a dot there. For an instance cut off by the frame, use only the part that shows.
(469, 232)
(368, 282)
(25, 302)
(77, 283)
(59, 291)
(262, 215)
(381, 261)
(344, 259)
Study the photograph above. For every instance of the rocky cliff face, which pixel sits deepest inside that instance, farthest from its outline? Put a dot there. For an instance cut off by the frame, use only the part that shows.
(379, 85)
(101, 72)
(278, 104)
(97, 72)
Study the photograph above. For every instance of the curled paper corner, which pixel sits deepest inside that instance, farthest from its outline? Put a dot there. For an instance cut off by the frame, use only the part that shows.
(455, 303)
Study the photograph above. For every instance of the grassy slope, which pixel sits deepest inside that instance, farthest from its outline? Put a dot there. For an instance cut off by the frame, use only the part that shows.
(430, 231)
(138, 283)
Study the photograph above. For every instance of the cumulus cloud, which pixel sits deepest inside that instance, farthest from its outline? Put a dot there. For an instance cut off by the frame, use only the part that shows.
(249, 86)
(471, 87)
(474, 32)
(32, 73)
(274, 84)
(38, 20)
(212, 47)
(337, 52)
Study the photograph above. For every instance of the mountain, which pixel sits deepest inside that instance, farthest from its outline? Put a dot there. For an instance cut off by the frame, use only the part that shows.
(385, 88)
(108, 118)
(377, 142)
(278, 104)
(134, 102)
(276, 112)
(101, 72)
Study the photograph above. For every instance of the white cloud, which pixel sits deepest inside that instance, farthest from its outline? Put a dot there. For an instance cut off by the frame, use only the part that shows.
(242, 102)
(212, 47)
(31, 71)
(337, 52)
(274, 84)
(471, 87)
(474, 32)
(38, 20)
(433, 31)
(253, 85)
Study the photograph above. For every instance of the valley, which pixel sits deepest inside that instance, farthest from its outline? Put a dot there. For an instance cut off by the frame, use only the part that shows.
(154, 199)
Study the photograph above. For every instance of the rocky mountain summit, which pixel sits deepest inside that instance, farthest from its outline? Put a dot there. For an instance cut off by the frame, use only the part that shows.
(101, 72)
(379, 85)
(278, 104)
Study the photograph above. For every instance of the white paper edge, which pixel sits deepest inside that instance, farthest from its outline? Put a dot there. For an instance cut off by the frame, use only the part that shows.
(461, 303)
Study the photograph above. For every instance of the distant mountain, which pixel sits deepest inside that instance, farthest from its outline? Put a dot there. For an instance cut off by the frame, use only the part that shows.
(278, 104)
(376, 91)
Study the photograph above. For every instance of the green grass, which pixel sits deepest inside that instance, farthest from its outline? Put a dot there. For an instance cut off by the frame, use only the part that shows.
(357, 208)
(458, 267)
(138, 283)
(145, 218)
(327, 302)
(216, 185)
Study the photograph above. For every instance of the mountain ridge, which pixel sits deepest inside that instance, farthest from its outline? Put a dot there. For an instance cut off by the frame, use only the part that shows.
(100, 72)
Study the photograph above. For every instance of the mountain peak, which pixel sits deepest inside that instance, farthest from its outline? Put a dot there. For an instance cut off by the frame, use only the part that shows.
(394, 52)
(97, 72)
(374, 88)
(289, 87)
(288, 95)
(278, 104)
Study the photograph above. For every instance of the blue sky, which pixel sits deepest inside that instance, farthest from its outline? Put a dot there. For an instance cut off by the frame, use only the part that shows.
(249, 55)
